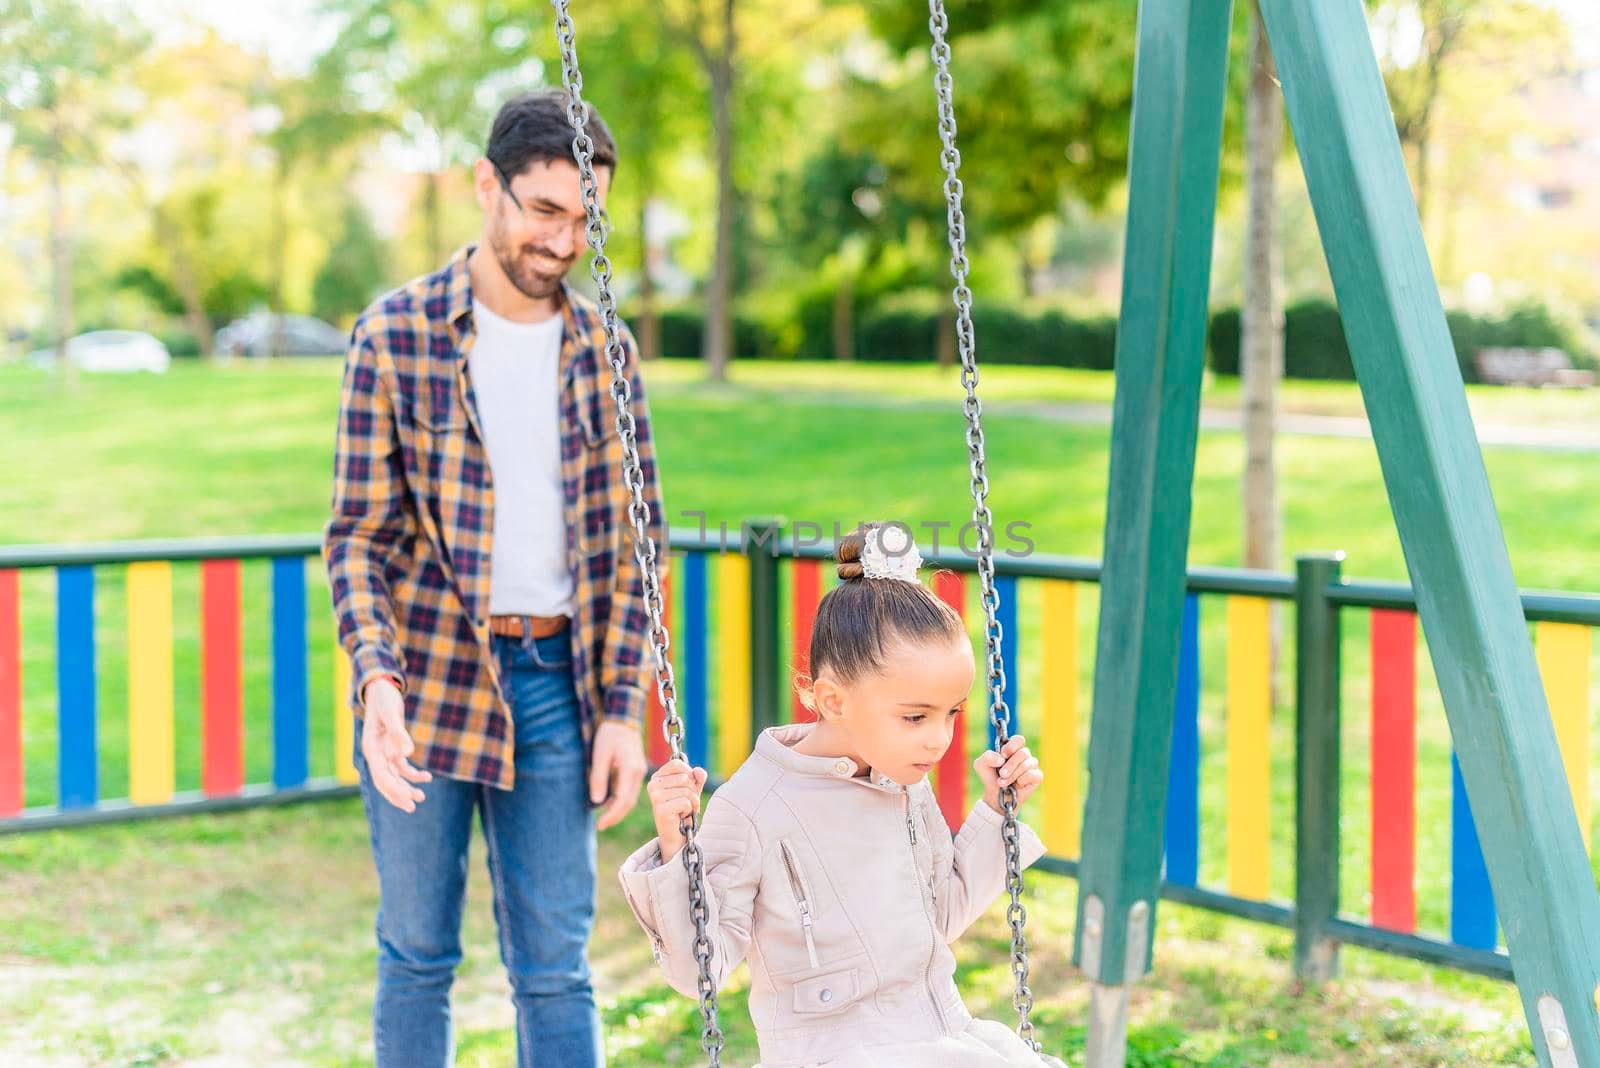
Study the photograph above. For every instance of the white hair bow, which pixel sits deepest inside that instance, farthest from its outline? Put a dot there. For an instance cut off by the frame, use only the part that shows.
(888, 552)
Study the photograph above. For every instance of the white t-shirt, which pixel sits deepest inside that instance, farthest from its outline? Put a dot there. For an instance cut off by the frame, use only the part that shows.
(515, 369)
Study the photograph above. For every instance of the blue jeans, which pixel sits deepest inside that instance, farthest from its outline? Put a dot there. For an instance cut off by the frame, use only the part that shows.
(541, 844)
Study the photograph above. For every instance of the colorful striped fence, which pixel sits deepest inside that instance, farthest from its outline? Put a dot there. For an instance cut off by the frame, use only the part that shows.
(153, 741)
(1564, 661)
(1223, 726)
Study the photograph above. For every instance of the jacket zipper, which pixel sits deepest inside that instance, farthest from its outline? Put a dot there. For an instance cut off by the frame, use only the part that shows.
(933, 932)
(803, 899)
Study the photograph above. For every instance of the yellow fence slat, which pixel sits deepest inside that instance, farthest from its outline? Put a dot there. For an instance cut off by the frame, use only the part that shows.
(731, 714)
(150, 743)
(1563, 650)
(344, 730)
(1248, 732)
(1059, 795)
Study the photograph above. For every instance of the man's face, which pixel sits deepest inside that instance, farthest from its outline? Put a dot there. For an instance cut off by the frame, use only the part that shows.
(536, 245)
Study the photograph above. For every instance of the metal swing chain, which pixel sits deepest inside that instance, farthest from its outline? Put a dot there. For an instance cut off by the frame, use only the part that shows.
(983, 519)
(644, 547)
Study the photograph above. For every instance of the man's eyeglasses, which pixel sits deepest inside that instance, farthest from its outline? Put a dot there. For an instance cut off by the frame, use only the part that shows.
(543, 221)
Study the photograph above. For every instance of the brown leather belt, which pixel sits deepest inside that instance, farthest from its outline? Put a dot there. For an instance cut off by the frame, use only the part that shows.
(524, 626)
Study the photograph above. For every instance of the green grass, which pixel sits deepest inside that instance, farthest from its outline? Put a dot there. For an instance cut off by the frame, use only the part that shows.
(114, 936)
(1577, 409)
(247, 939)
(247, 450)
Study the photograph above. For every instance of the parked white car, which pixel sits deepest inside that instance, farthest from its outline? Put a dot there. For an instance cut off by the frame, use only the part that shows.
(110, 350)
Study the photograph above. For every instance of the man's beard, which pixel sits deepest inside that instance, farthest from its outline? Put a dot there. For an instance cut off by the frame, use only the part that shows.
(516, 263)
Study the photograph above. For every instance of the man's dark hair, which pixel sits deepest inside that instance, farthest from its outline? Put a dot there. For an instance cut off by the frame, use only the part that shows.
(533, 128)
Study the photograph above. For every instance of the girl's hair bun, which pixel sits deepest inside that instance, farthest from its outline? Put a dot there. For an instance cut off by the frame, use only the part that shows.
(848, 553)
(878, 603)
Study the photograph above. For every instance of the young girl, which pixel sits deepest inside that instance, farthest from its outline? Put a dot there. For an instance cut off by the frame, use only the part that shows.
(827, 862)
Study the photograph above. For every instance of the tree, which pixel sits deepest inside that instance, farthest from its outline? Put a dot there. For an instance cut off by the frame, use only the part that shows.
(354, 270)
(57, 93)
(835, 216)
(644, 84)
(431, 73)
(684, 60)
(1414, 87)
(1432, 50)
(194, 103)
(1043, 95)
(707, 27)
(307, 119)
(1261, 353)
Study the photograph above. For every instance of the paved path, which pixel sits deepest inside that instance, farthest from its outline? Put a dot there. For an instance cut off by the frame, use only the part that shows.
(1554, 438)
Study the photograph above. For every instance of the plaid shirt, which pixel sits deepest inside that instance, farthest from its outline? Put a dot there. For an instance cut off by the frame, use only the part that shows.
(408, 545)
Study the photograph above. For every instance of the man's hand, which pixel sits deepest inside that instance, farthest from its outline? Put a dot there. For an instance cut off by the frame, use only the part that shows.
(386, 745)
(618, 751)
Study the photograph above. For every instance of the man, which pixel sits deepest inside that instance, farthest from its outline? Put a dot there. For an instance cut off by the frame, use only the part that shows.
(489, 600)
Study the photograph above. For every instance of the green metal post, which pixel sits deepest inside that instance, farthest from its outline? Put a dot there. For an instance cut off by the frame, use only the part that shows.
(767, 690)
(1316, 759)
(1445, 514)
(1179, 77)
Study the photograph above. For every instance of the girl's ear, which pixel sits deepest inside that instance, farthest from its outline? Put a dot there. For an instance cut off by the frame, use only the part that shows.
(827, 699)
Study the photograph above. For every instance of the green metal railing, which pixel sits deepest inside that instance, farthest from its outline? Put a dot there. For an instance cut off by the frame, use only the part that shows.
(770, 566)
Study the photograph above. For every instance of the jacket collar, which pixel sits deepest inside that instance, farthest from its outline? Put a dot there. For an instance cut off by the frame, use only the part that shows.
(777, 745)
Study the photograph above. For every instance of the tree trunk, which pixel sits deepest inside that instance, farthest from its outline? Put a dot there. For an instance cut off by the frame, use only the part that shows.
(1424, 140)
(1441, 40)
(649, 317)
(1262, 343)
(280, 237)
(183, 279)
(1261, 346)
(432, 226)
(718, 344)
(844, 318)
(61, 268)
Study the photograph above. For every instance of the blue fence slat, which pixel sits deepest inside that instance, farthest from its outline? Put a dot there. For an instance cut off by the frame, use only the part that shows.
(1472, 914)
(1006, 587)
(75, 688)
(1183, 776)
(290, 685)
(695, 666)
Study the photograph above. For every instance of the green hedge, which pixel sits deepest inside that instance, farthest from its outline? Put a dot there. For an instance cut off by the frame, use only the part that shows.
(1005, 336)
(682, 332)
(1314, 341)
(180, 343)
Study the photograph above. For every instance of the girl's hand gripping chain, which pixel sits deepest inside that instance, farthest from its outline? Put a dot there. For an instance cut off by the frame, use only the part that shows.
(1016, 767)
(674, 792)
